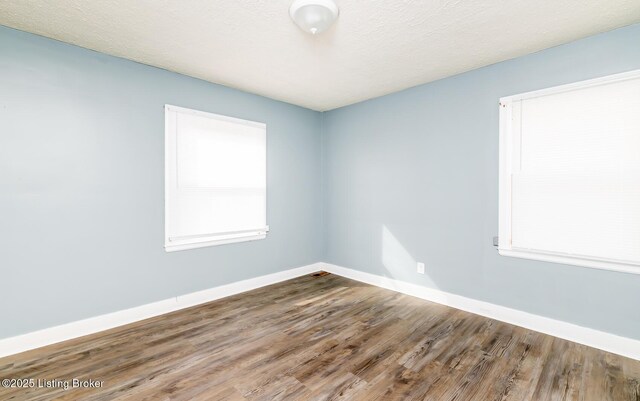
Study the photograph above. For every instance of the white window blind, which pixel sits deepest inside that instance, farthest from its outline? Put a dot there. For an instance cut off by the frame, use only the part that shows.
(215, 179)
(570, 174)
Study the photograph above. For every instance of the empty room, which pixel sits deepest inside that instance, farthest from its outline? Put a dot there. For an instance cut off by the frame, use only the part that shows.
(317, 200)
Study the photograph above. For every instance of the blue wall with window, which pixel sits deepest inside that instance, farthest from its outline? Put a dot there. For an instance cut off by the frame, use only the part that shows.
(413, 176)
(82, 185)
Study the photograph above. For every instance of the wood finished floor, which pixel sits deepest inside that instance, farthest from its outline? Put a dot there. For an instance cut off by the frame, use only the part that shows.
(324, 338)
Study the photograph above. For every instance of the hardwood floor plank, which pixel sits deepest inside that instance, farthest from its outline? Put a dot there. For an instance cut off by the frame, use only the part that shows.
(324, 338)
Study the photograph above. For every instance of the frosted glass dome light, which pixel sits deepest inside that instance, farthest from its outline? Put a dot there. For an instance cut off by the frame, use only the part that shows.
(313, 16)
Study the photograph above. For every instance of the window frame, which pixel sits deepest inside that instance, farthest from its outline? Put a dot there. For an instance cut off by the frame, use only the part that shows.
(506, 149)
(170, 174)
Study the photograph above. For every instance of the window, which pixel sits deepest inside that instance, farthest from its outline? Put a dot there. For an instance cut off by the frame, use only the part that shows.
(215, 179)
(570, 174)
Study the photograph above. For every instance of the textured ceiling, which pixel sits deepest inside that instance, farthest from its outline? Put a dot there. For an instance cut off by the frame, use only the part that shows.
(376, 46)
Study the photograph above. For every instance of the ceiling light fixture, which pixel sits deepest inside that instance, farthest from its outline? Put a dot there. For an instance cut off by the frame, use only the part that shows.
(313, 16)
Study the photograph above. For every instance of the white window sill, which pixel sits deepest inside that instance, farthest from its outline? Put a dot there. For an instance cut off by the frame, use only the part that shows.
(184, 245)
(602, 264)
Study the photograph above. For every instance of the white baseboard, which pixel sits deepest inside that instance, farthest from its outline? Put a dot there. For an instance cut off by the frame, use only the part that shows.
(593, 338)
(597, 339)
(40, 338)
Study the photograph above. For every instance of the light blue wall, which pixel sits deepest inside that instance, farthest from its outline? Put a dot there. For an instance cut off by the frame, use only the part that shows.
(408, 177)
(413, 176)
(82, 185)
